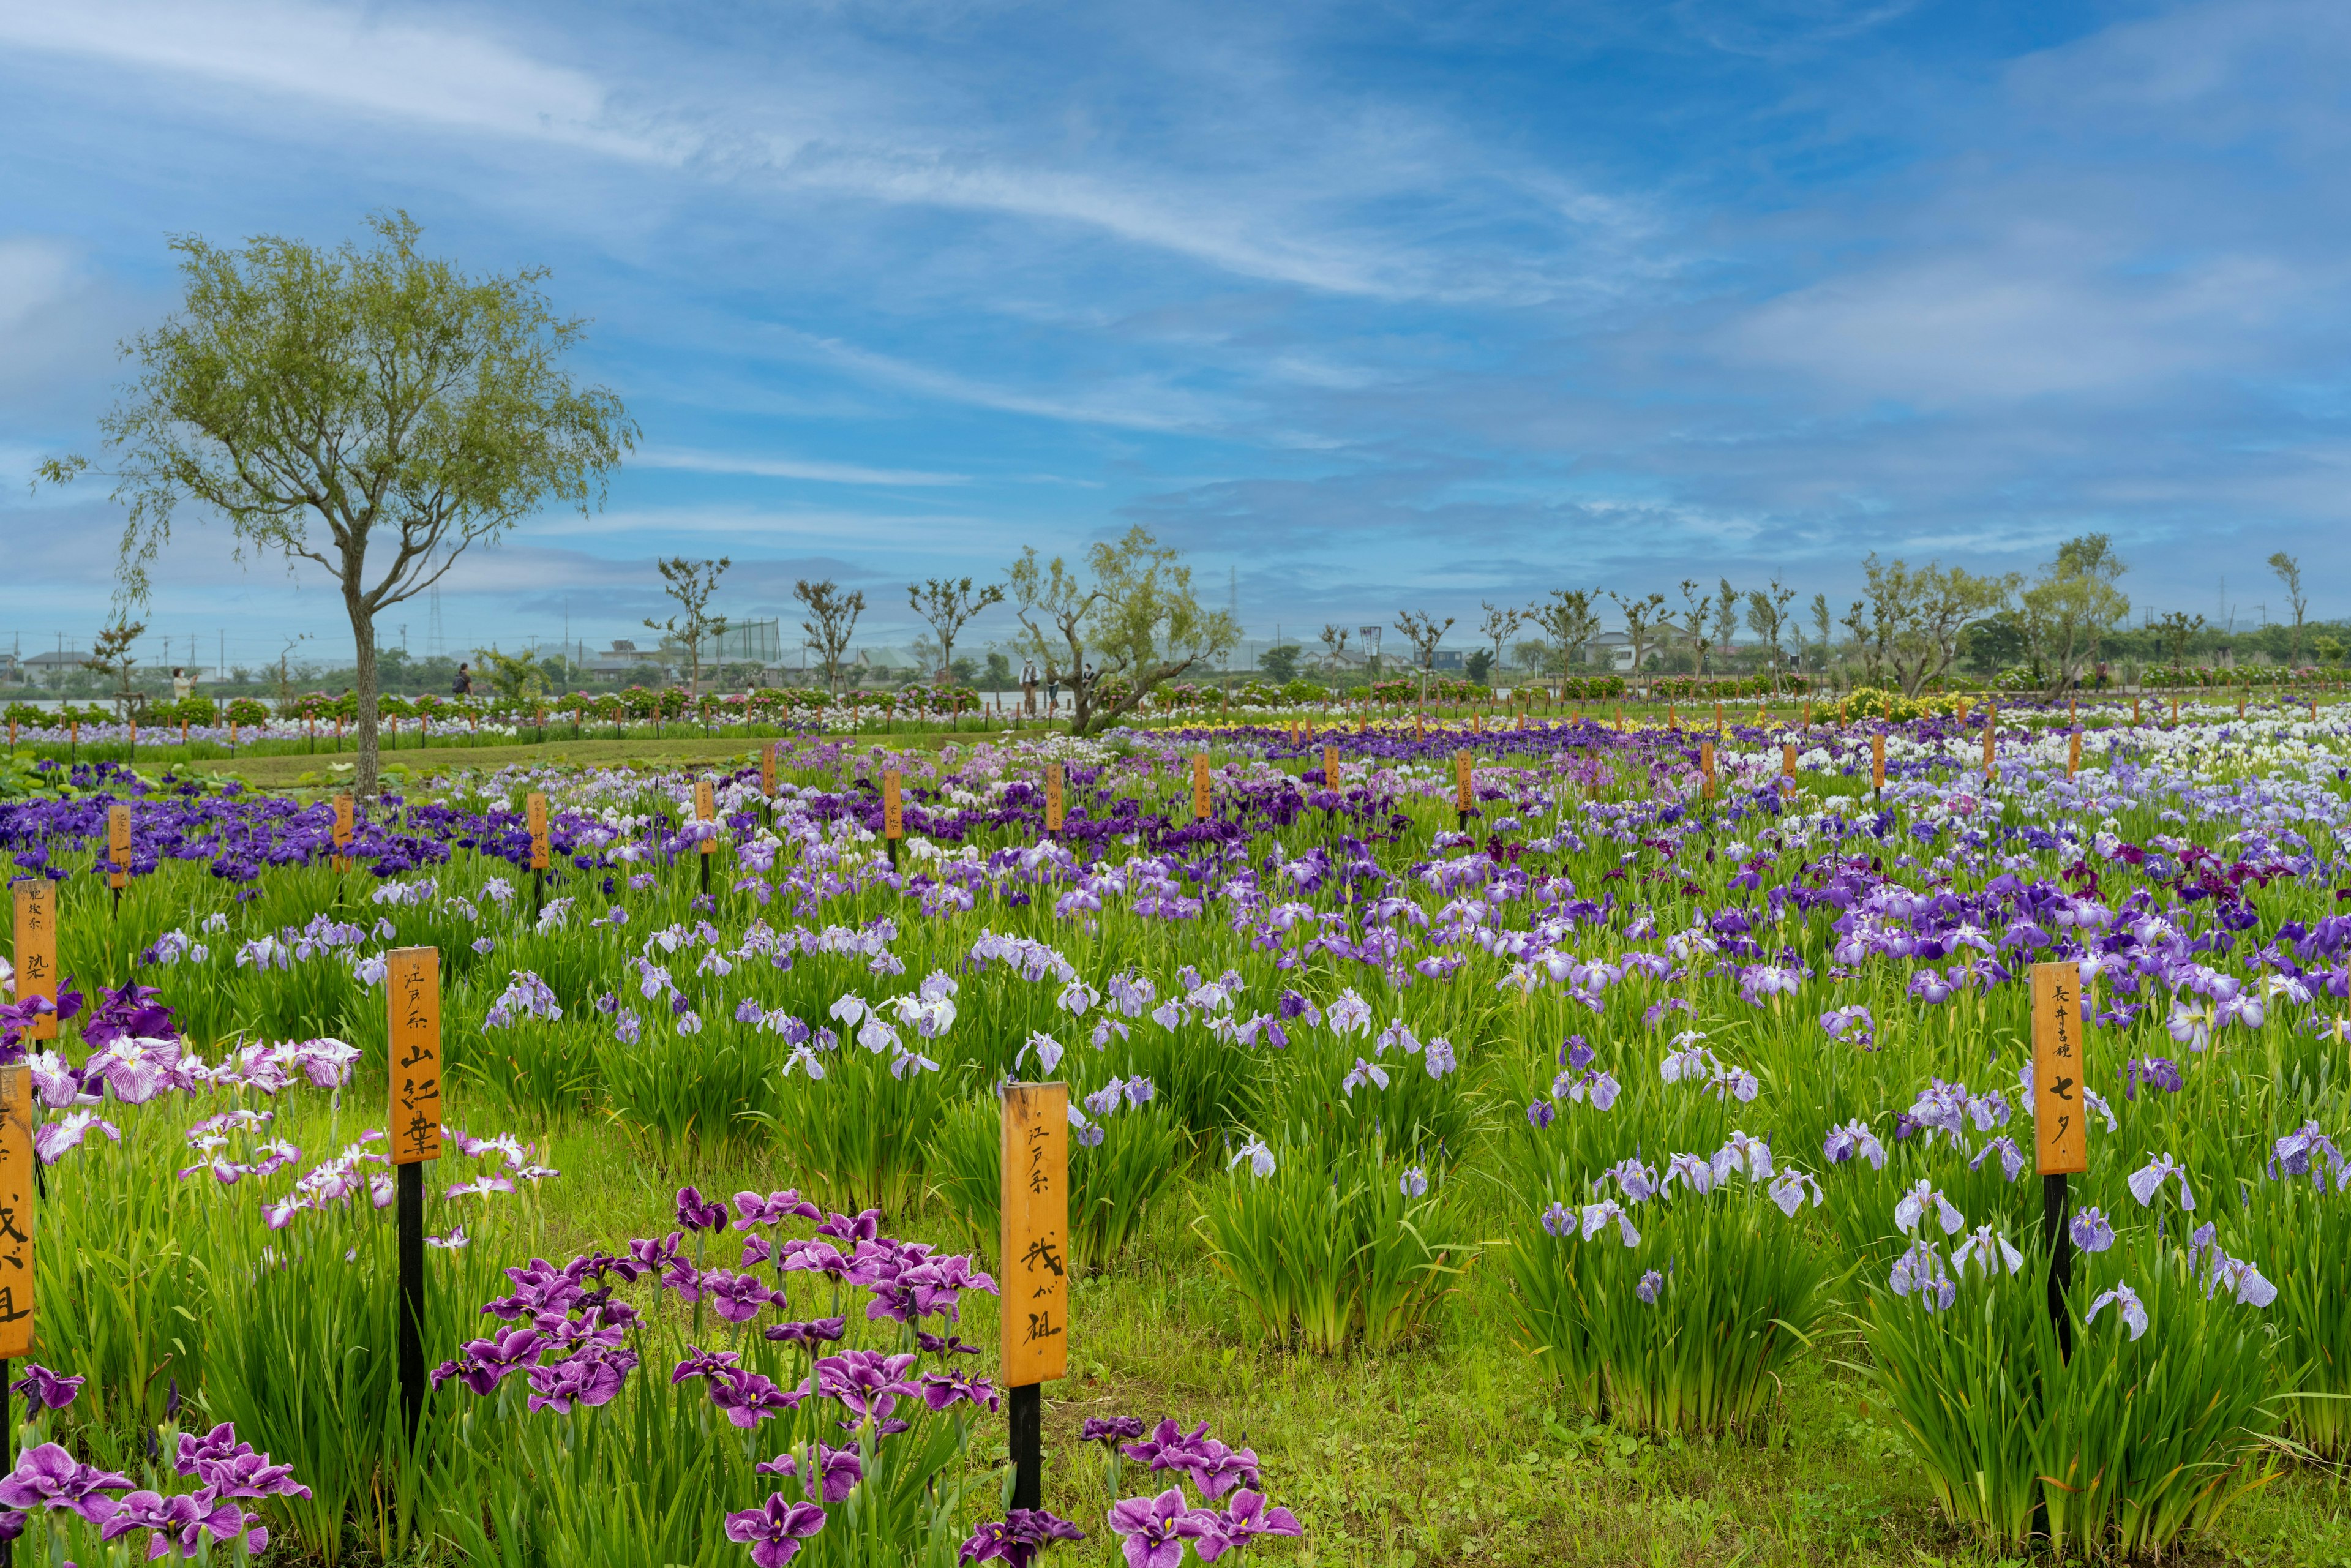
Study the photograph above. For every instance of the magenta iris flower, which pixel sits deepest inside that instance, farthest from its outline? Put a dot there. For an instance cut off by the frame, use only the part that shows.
(49, 1477)
(52, 1391)
(775, 1531)
(1152, 1530)
(1018, 1537)
(1240, 1521)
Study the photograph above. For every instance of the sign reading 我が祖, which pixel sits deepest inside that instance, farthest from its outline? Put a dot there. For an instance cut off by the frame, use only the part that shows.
(1034, 1273)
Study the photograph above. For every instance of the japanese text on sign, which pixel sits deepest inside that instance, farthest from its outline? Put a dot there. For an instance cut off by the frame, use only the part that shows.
(1706, 765)
(1034, 1272)
(1052, 797)
(16, 1227)
(1200, 785)
(118, 845)
(893, 806)
(1330, 768)
(535, 811)
(1462, 777)
(341, 833)
(706, 809)
(768, 768)
(2060, 1136)
(37, 950)
(415, 977)
(1878, 760)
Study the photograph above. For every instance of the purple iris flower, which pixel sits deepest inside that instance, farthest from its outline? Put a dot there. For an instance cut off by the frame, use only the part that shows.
(1152, 1530)
(751, 1397)
(52, 1391)
(1242, 1521)
(591, 1377)
(1023, 1534)
(1109, 1429)
(836, 1471)
(737, 1298)
(1539, 1115)
(866, 1381)
(49, 1477)
(774, 1532)
(815, 1331)
(775, 1208)
(182, 1521)
(941, 1389)
(696, 1215)
(2090, 1231)
(2124, 1300)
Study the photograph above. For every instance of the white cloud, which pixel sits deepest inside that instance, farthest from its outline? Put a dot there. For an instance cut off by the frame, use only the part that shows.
(786, 469)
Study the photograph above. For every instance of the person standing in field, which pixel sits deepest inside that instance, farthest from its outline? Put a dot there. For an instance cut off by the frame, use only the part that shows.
(463, 686)
(183, 685)
(1028, 688)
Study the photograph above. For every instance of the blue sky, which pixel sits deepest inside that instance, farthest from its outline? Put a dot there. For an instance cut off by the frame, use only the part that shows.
(1376, 307)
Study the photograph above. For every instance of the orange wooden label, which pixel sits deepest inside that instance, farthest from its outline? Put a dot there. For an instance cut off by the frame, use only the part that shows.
(342, 833)
(893, 808)
(1877, 760)
(1988, 745)
(118, 845)
(1200, 785)
(535, 808)
(1032, 1265)
(1706, 765)
(414, 1004)
(706, 809)
(1463, 776)
(1718, 718)
(2175, 710)
(2060, 1136)
(17, 1212)
(768, 768)
(2073, 755)
(1053, 806)
(1330, 768)
(1419, 724)
(37, 950)
(1788, 759)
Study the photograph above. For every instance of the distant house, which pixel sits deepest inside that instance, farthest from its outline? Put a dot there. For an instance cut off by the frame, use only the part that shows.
(1610, 650)
(624, 661)
(54, 666)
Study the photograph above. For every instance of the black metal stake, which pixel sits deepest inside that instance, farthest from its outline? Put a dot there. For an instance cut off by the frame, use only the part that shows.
(1025, 1413)
(8, 1446)
(412, 1294)
(2060, 1259)
(893, 854)
(538, 893)
(705, 875)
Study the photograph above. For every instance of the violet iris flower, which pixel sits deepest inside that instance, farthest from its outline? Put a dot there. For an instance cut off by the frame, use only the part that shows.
(2090, 1231)
(749, 1397)
(816, 1331)
(49, 1477)
(1854, 1139)
(836, 1471)
(696, 1215)
(50, 1390)
(1242, 1521)
(1152, 1530)
(2125, 1300)
(774, 1532)
(1023, 1534)
(183, 1522)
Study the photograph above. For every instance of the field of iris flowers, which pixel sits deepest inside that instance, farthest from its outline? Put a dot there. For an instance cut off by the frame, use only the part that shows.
(1620, 1171)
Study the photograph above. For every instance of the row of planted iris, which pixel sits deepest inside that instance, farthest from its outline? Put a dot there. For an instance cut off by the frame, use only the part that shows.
(1744, 1069)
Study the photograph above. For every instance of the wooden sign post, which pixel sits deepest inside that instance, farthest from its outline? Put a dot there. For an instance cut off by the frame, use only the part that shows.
(2073, 755)
(1032, 1266)
(414, 1118)
(118, 852)
(1463, 787)
(535, 812)
(1200, 786)
(2060, 1143)
(768, 768)
(36, 950)
(1053, 807)
(1877, 763)
(342, 835)
(1331, 779)
(1705, 766)
(706, 809)
(893, 813)
(1787, 759)
(18, 1230)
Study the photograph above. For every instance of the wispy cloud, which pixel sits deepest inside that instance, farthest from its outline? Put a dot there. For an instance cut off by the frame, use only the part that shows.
(788, 468)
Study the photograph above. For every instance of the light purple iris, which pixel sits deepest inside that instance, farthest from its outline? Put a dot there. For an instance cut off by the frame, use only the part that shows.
(1152, 1530)
(774, 1531)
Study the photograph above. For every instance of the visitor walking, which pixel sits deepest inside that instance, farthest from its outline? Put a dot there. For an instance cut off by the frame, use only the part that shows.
(463, 686)
(1028, 688)
(1053, 692)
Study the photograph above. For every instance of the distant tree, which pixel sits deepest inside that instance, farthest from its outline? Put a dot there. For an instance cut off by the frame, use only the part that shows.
(1500, 624)
(1643, 619)
(1726, 616)
(516, 678)
(1696, 604)
(1916, 616)
(1820, 624)
(965, 671)
(1994, 644)
(1118, 626)
(111, 655)
(1424, 632)
(2289, 573)
(832, 617)
(2175, 630)
(376, 394)
(1334, 643)
(1280, 664)
(1766, 617)
(1000, 671)
(1478, 665)
(693, 583)
(2328, 648)
(949, 604)
(2073, 603)
(1568, 621)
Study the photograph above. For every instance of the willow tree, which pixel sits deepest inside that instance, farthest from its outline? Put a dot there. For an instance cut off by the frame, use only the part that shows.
(352, 408)
(1116, 626)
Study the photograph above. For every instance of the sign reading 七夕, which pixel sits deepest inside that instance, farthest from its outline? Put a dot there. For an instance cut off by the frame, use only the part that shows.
(413, 975)
(37, 950)
(1052, 797)
(706, 809)
(2060, 1138)
(17, 1212)
(534, 809)
(1034, 1272)
(893, 808)
(1200, 785)
(118, 845)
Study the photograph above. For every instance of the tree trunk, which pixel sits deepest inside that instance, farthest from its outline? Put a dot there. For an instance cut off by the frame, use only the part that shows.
(363, 775)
